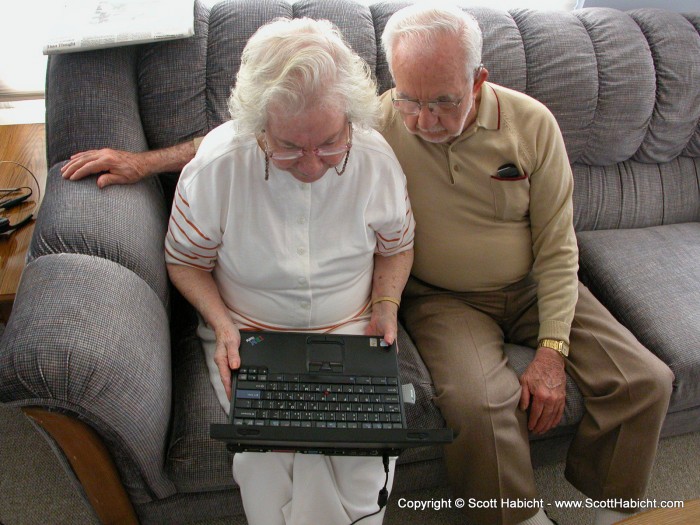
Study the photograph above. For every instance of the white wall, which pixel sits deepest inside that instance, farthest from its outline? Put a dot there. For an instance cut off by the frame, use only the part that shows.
(680, 6)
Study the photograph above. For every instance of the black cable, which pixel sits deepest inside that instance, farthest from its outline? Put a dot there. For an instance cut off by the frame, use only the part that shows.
(38, 188)
(383, 496)
(8, 202)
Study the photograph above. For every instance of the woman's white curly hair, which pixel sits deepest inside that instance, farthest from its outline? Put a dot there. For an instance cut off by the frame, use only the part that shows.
(296, 65)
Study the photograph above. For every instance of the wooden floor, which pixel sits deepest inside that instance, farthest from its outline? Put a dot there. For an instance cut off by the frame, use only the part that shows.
(21, 146)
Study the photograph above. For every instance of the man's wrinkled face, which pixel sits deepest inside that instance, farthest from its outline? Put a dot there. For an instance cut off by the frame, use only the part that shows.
(434, 75)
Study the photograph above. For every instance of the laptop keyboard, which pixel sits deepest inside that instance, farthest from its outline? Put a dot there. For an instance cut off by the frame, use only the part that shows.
(316, 401)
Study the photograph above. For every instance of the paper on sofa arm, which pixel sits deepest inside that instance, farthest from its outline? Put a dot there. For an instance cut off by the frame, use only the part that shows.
(81, 25)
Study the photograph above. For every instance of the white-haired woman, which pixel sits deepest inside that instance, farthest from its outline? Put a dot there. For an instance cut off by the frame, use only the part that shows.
(294, 215)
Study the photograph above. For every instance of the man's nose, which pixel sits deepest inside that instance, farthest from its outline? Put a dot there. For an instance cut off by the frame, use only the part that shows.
(426, 118)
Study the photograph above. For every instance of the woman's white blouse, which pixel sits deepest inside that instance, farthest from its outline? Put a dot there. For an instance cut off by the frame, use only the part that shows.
(287, 254)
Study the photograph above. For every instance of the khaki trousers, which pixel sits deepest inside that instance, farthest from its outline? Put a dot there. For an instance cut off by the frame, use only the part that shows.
(626, 392)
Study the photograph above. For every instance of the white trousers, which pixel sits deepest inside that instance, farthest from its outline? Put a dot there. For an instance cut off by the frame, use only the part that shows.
(280, 488)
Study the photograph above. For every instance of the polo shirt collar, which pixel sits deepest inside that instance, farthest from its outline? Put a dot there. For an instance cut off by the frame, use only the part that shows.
(489, 115)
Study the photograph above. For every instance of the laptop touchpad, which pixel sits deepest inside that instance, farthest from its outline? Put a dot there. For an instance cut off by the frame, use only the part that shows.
(324, 355)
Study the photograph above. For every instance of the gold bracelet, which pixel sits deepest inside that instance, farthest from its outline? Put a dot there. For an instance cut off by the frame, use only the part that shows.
(386, 298)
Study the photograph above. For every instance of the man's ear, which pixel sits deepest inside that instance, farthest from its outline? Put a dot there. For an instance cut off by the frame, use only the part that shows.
(480, 78)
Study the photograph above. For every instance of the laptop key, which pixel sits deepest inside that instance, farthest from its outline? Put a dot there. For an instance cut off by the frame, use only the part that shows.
(246, 413)
(252, 385)
(249, 394)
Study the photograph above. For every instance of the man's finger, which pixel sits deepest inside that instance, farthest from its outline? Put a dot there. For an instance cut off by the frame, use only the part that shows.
(87, 168)
(545, 419)
(524, 397)
(535, 414)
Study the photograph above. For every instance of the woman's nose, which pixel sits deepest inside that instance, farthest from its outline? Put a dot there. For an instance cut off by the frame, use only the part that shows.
(310, 164)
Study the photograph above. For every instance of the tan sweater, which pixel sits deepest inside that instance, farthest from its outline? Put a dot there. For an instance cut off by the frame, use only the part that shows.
(475, 232)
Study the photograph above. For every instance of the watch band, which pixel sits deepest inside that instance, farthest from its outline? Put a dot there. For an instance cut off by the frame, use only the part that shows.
(555, 344)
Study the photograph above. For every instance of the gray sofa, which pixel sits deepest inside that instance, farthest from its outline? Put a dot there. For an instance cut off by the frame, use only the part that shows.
(97, 332)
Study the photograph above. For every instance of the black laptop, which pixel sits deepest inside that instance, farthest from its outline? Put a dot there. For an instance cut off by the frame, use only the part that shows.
(322, 394)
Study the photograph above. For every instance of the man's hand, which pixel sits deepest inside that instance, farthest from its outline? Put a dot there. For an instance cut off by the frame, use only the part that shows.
(226, 357)
(544, 390)
(383, 321)
(113, 167)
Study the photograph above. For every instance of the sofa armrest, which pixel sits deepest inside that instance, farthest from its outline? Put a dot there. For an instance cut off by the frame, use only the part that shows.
(92, 102)
(89, 338)
(125, 224)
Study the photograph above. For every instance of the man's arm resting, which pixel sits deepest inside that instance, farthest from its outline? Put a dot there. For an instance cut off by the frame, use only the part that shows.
(543, 389)
(123, 167)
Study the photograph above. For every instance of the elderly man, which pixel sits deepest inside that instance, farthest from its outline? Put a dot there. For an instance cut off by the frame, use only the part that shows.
(496, 261)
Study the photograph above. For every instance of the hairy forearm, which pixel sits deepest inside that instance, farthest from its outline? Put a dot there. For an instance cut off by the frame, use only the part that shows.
(165, 160)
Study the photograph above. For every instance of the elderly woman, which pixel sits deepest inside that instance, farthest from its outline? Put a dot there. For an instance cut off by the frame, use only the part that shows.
(294, 215)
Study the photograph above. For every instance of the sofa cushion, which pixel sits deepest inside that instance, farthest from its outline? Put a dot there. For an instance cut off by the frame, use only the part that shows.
(231, 24)
(422, 414)
(675, 47)
(195, 462)
(172, 74)
(632, 194)
(649, 279)
(625, 90)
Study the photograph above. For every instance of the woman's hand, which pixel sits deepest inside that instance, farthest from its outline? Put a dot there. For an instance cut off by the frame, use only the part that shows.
(226, 357)
(388, 280)
(383, 321)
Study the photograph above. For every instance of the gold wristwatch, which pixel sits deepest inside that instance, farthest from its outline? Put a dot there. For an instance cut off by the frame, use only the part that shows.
(555, 344)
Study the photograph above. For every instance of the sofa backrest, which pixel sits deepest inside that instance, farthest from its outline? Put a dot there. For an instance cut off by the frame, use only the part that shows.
(624, 87)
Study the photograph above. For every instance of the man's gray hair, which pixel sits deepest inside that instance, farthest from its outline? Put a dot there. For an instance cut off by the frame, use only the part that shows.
(296, 65)
(422, 24)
